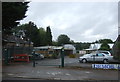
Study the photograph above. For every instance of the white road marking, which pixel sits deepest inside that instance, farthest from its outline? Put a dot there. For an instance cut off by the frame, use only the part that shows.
(48, 73)
(59, 72)
(22, 76)
(10, 74)
(32, 71)
(38, 72)
(57, 79)
(87, 72)
(67, 74)
(54, 73)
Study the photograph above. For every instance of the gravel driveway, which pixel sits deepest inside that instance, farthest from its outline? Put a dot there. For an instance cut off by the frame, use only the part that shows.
(73, 70)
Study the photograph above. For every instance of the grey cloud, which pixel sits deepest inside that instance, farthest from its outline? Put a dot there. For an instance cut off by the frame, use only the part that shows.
(76, 19)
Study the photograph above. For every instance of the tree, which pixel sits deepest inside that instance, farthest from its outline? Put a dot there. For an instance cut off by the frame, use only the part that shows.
(104, 46)
(12, 12)
(48, 36)
(81, 46)
(54, 43)
(42, 34)
(72, 42)
(63, 39)
(17, 31)
(116, 49)
(34, 35)
(31, 32)
(104, 41)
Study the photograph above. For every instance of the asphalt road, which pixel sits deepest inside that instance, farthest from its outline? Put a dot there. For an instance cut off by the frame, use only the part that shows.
(73, 70)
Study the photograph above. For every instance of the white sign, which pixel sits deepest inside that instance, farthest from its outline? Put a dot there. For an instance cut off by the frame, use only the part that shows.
(106, 66)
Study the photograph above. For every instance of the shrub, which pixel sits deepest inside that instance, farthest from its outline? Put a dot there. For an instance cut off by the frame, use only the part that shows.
(72, 56)
(48, 55)
(54, 56)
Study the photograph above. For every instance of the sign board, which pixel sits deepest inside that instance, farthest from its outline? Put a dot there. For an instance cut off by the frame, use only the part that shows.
(106, 66)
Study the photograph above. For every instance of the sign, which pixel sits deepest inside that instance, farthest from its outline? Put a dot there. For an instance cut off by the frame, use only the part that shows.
(106, 66)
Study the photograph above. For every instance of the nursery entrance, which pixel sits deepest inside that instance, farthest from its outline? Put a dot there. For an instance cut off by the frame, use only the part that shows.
(52, 57)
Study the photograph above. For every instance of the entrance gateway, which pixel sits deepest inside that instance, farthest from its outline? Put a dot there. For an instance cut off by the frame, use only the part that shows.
(53, 56)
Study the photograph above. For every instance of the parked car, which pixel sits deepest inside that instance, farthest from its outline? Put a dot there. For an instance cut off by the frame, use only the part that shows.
(105, 52)
(42, 56)
(99, 57)
(38, 56)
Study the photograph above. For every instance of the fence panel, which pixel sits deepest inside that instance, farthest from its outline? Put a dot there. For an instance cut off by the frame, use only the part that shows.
(9, 52)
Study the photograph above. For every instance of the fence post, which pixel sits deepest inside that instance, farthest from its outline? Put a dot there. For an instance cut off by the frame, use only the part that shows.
(6, 56)
(33, 58)
(62, 58)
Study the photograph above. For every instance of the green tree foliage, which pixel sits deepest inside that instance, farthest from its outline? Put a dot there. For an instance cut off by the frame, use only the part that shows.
(118, 45)
(31, 32)
(104, 41)
(12, 12)
(54, 43)
(23, 27)
(39, 37)
(116, 49)
(63, 39)
(48, 36)
(72, 42)
(104, 46)
(81, 46)
(34, 35)
(42, 34)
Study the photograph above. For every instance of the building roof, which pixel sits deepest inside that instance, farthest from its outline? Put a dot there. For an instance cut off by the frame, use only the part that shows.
(66, 46)
(15, 39)
(69, 46)
(49, 47)
(58, 48)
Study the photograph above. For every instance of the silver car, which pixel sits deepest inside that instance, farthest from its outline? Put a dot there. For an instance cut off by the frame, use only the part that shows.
(38, 56)
(99, 57)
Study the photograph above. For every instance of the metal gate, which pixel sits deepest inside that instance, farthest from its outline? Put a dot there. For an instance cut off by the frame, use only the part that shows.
(59, 61)
(8, 53)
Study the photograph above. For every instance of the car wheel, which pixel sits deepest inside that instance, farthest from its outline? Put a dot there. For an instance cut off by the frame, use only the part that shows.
(105, 61)
(84, 60)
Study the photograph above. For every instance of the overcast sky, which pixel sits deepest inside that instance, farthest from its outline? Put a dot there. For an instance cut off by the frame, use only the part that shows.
(81, 21)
